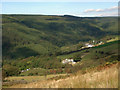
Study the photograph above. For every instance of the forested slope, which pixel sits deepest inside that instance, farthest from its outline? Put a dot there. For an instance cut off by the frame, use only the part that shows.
(32, 35)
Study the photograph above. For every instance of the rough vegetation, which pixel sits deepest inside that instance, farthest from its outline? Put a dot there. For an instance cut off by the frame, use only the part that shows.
(36, 45)
(91, 79)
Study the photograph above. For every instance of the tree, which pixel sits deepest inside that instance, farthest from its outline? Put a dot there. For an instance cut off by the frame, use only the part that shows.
(10, 70)
(3, 74)
(80, 45)
(77, 58)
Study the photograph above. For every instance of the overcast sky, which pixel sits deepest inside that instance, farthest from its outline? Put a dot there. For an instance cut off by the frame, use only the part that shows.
(81, 9)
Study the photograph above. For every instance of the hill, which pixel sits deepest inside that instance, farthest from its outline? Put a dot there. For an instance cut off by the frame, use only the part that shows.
(37, 35)
(37, 45)
(100, 77)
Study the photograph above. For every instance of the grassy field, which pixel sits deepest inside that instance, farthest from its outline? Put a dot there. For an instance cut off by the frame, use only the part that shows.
(116, 38)
(92, 79)
(14, 80)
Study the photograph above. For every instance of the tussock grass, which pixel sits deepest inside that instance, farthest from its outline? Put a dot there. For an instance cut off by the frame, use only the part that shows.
(106, 78)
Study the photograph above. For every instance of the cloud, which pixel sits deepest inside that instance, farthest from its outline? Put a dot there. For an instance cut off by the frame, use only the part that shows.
(102, 10)
(108, 14)
(113, 8)
(93, 10)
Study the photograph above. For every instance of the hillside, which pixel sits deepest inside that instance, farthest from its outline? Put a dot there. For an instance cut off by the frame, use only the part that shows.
(100, 77)
(37, 35)
(38, 46)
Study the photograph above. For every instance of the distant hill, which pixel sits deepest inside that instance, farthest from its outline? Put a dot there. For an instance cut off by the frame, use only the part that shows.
(32, 35)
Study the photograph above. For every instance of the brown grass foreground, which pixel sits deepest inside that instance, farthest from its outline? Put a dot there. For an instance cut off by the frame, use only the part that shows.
(106, 78)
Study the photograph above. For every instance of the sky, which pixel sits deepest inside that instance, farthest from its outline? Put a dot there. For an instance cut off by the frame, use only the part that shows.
(60, 0)
(81, 9)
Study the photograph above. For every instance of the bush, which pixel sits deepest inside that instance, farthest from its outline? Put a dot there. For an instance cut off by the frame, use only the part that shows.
(30, 74)
(9, 70)
(3, 74)
(77, 58)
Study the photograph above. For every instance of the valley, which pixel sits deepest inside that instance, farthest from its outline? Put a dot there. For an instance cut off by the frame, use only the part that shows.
(38, 46)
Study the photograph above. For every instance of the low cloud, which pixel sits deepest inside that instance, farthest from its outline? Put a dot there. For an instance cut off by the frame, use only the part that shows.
(108, 14)
(93, 10)
(102, 10)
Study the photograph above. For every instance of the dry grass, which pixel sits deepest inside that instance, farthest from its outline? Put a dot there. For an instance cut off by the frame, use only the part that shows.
(116, 38)
(107, 78)
(15, 80)
(32, 78)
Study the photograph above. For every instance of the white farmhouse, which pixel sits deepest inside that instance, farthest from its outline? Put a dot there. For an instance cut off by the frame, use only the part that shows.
(28, 69)
(68, 61)
(88, 45)
(22, 71)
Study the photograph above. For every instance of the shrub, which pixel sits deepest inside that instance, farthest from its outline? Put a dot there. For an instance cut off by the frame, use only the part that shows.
(10, 70)
(77, 58)
(30, 74)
